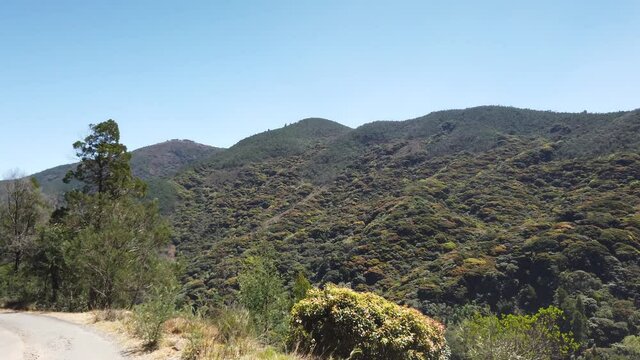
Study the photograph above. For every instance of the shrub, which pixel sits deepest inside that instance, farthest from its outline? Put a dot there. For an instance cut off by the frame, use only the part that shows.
(200, 338)
(343, 323)
(301, 286)
(629, 348)
(523, 337)
(263, 294)
(630, 345)
(606, 332)
(228, 334)
(234, 325)
(148, 318)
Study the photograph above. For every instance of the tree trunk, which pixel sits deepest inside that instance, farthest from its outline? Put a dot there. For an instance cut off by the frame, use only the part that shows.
(55, 285)
(16, 261)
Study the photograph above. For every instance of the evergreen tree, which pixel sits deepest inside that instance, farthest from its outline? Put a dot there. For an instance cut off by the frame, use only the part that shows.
(115, 238)
(579, 322)
(105, 163)
(575, 320)
(301, 287)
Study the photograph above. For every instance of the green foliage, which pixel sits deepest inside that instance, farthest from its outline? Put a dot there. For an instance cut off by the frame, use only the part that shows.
(103, 248)
(23, 212)
(165, 159)
(301, 287)
(116, 238)
(155, 164)
(149, 317)
(164, 192)
(53, 267)
(628, 348)
(576, 320)
(263, 294)
(115, 248)
(228, 334)
(606, 331)
(234, 323)
(104, 163)
(290, 140)
(17, 289)
(493, 206)
(343, 323)
(532, 337)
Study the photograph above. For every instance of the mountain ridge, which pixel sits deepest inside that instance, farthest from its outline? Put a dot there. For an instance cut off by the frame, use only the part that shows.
(493, 206)
(434, 122)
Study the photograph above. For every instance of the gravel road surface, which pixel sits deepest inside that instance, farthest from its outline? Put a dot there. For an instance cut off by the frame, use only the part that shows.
(38, 337)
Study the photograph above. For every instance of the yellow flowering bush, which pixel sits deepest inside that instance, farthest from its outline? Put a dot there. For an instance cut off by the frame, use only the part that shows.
(343, 323)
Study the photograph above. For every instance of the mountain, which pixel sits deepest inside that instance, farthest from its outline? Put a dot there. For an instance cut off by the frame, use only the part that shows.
(155, 164)
(496, 206)
(481, 128)
(290, 140)
(163, 160)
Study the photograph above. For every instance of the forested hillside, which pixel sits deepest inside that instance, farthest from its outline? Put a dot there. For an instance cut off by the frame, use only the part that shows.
(507, 208)
(499, 222)
(161, 160)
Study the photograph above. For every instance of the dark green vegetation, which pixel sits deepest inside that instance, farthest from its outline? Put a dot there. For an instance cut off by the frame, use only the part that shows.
(536, 336)
(101, 249)
(500, 207)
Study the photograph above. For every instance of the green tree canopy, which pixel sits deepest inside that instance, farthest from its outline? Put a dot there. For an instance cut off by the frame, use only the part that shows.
(105, 163)
(263, 293)
(104, 249)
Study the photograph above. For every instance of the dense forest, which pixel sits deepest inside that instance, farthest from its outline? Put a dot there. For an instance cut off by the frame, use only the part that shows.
(500, 223)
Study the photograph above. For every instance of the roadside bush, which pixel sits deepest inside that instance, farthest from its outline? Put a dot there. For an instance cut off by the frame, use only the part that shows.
(234, 324)
(343, 323)
(201, 339)
(148, 318)
(228, 334)
(526, 337)
(263, 294)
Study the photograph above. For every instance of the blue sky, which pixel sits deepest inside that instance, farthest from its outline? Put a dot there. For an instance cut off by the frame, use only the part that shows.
(218, 71)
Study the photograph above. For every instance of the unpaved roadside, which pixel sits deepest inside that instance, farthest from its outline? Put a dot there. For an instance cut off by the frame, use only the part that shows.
(118, 330)
(27, 336)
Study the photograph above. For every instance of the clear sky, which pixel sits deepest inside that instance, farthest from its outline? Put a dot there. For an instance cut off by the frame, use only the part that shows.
(218, 71)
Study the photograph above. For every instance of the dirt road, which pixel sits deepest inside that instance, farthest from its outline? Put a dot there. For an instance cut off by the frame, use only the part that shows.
(38, 337)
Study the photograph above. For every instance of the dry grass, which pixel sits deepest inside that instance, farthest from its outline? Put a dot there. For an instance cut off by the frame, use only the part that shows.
(186, 337)
(177, 325)
(110, 315)
(228, 336)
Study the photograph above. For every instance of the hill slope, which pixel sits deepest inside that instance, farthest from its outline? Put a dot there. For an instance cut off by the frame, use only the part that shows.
(155, 164)
(163, 160)
(290, 140)
(495, 205)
